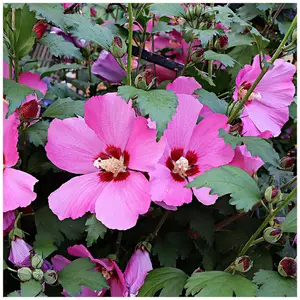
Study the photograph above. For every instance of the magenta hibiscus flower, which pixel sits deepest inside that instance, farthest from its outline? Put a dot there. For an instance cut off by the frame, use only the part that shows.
(17, 185)
(191, 150)
(267, 108)
(112, 148)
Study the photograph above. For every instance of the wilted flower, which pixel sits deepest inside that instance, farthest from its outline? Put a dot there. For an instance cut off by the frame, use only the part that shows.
(20, 252)
(267, 108)
(287, 267)
(243, 264)
(136, 271)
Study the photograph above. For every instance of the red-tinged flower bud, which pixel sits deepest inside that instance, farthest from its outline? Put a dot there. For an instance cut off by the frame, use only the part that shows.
(93, 11)
(243, 264)
(273, 194)
(272, 235)
(197, 55)
(25, 274)
(223, 41)
(118, 47)
(29, 110)
(50, 277)
(145, 80)
(287, 267)
(287, 163)
(40, 28)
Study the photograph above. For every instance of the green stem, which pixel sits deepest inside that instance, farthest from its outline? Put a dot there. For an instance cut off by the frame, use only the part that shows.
(257, 241)
(263, 225)
(17, 219)
(118, 242)
(12, 270)
(263, 72)
(130, 36)
(121, 64)
(187, 57)
(153, 234)
(152, 41)
(284, 187)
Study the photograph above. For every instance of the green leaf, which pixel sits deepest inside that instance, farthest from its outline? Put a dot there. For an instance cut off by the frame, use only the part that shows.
(172, 246)
(261, 41)
(78, 273)
(248, 11)
(293, 110)
(203, 35)
(44, 245)
(50, 11)
(164, 27)
(16, 93)
(31, 288)
(58, 46)
(170, 280)
(290, 222)
(234, 141)
(202, 75)
(287, 250)
(160, 105)
(82, 28)
(24, 36)
(231, 180)
(219, 284)
(225, 59)
(13, 294)
(271, 284)
(226, 16)
(167, 9)
(95, 229)
(283, 26)
(47, 71)
(265, 6)
(212, 101)
(236, 39)
(65, 108)
(38, 133)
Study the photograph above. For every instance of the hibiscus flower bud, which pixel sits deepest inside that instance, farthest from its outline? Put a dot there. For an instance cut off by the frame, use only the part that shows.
(243, 264)
(221, 42)
(144, 246)
(236, 128)
(118, 47)
(29, 110)
(273, 194)
(272, 235)
(145, 80)
(50, 277)
(232, 108)
(40, 28)
(189, 15)
(287, 163)
(25, 274)
(198, 10)
(36, 261)
(93, 11)
(287, 267)
(37, 274)
(197, 55)
(19, 252)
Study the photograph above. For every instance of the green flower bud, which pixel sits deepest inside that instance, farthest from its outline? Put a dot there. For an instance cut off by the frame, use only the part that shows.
(50, 277)
(198, 10)
(273, 194)
(232, 107)
(145, 80)
(243, 264)
(25, 274)
(118, 47)
(36, 261)
(37, 274)
(197, 55)
(287, 267)
(272, 235)
(144, 246)
(189, 15)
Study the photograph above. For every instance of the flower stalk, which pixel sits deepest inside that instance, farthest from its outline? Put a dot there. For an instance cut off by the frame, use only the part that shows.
(130, 37)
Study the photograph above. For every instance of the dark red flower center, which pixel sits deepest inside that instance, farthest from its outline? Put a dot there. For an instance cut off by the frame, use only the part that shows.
(113, 164)
(182, 166)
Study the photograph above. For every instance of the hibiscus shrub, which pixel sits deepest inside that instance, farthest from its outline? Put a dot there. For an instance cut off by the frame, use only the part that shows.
(149, 149)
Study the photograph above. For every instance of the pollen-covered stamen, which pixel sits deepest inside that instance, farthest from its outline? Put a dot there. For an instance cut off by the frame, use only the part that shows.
(181, 166)
(243, 91)
(111, 164)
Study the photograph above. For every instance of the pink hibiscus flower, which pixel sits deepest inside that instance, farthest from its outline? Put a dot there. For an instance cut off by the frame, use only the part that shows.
(191, 150)
(8, 221)
(17, 185)
(20, 252)
(106, 266)
(267, 108)
(112, 148)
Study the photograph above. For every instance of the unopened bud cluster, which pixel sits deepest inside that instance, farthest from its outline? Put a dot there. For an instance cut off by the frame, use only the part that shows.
(193, 12)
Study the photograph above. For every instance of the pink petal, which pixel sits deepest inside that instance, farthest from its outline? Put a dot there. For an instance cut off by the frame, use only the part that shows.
(142, 147)
(179, 131)
(267, 118)
(205, 111)
(204, 197)
(10, 137)
(77, 196)
(17, 189)
(111, 118)
(20, 252)
(244, 160)
(164, 188)
(73, 146)
(59, 262)
(165, 206)
(8, 221)
(136, 271)
(205, 141)
(163, 74)
(127, 200)
(184, 85)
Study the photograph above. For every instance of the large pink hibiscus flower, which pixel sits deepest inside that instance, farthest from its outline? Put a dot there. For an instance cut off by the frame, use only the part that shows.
(267, 108)
(112, 148)
(190, 151)
(17, 185)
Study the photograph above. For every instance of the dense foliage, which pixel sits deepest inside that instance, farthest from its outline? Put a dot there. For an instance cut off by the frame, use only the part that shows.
(149, 149)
